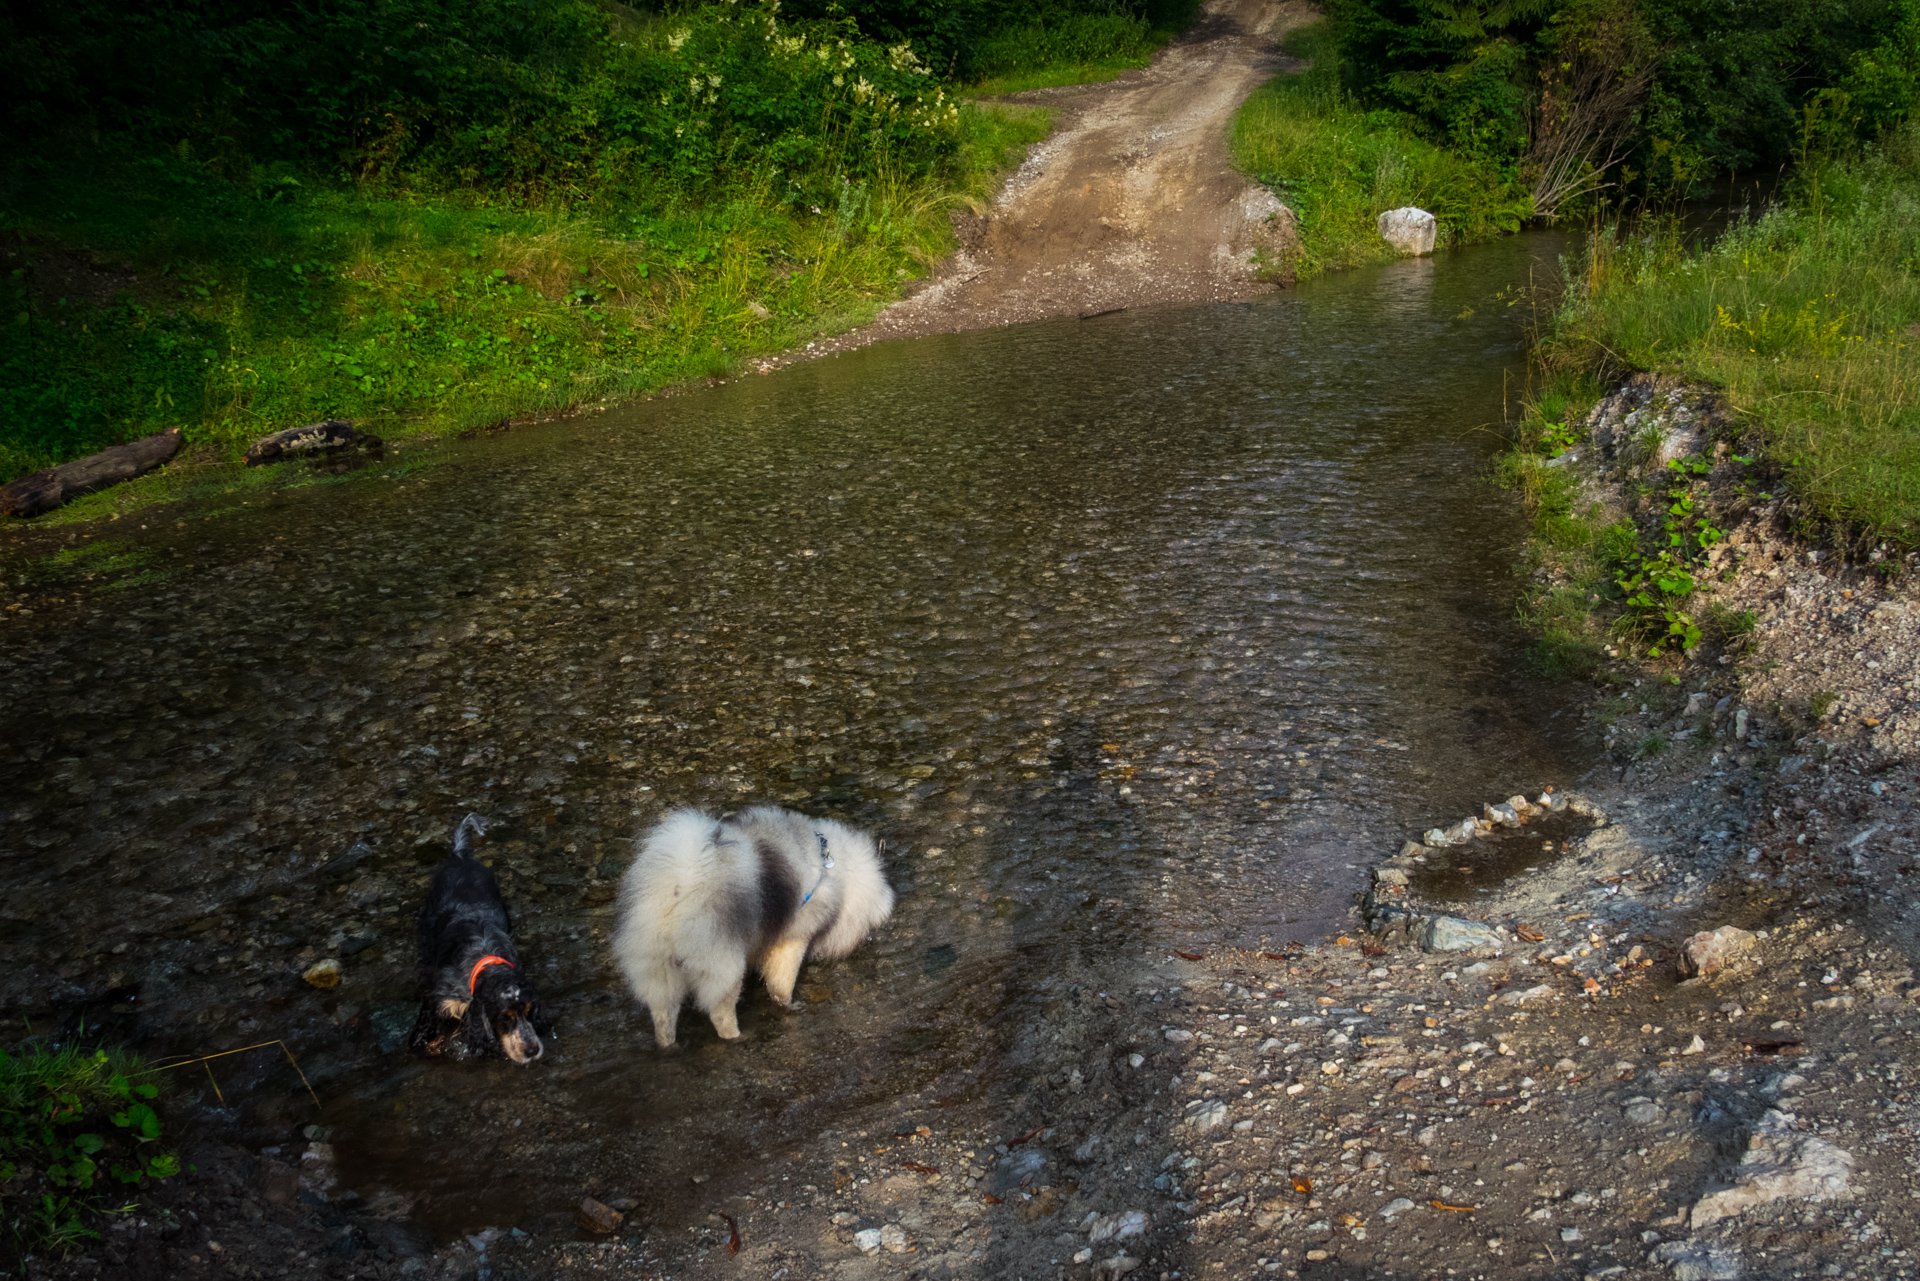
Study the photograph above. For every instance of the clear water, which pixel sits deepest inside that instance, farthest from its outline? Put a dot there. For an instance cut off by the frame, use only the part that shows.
(1127, 634)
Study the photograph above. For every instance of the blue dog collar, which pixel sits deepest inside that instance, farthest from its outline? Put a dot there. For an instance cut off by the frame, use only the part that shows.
(826, 865)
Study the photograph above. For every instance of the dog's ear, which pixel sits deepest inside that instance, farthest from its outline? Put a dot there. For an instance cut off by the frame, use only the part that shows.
(474, 1039)
(429, 1030)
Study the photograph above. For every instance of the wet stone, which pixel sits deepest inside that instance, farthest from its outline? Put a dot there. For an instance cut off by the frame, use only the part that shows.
(595, 1216)
(1457, 934)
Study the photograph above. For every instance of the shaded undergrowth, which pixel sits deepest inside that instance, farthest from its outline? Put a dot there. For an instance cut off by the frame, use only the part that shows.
(78, 1137)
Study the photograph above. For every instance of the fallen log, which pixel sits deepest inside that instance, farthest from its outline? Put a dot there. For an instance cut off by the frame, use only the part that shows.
(335, 444)
(40, 492)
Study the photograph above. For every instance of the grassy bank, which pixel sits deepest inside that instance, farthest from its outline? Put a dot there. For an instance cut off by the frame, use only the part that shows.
(1801, 321)
(1801, 316)
(1339, 165)
(78, 1136)
(144, 296)
(519, 208)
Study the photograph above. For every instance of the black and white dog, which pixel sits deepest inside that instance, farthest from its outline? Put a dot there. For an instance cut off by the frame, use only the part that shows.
(708, 898)
(477, 1000)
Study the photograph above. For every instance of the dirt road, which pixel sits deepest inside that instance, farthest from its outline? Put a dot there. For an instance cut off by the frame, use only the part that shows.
(1132, 201)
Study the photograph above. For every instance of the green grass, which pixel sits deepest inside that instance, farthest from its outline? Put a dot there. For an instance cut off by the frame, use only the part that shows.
(1073, 48)
(1340, 166)
(1802, 317)
(77, 1131)
(148, 295)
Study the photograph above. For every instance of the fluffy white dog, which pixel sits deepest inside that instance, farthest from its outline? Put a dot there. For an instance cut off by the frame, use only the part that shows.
(707, 897)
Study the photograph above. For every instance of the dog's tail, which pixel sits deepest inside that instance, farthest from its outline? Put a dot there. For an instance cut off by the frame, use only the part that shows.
(470, 826)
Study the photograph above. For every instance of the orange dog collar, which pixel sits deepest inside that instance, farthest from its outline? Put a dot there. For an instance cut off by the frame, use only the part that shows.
(481, 964)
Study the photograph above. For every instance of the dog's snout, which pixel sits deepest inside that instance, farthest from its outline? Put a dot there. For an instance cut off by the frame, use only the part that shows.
(521, 1043)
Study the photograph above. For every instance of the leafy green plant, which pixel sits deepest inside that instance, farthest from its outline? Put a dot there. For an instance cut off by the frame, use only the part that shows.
(1659, 586)
(73, 1123)
(1822, 703)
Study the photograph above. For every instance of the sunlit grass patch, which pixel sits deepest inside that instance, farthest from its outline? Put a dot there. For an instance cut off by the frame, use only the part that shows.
(413, 316)
(1339, 166)
(1802, 316)
(1070, 48)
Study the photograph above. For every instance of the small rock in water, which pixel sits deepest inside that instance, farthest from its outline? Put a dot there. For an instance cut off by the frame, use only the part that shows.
(1135, 1060)
(893, 1238)
(867, 1240)
(1502, 815)
(596, 1217)
(1117, 1266)
(391, 1023)
(335, 443)
(1179, 1035)
(1399, 1205)
(1437, 837)
(1712, 950)
(1409, 229)
(1695, 1046)
(1083, 1255)
(323, 974)
(1204, 1114)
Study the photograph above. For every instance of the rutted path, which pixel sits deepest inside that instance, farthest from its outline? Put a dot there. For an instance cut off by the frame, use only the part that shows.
(1132, 201)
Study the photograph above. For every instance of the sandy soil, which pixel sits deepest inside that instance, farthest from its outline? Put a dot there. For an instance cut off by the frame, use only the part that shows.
(1132, 201)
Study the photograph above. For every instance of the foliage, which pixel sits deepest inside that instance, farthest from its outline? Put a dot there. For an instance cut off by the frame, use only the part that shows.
(1658, 586)
(1338, 165)
(1802, 315)
(233, 217)
(1460, 69)
(1084, 47)
(529, 99)
(971, 40)
(73, 1125)
(1728, 78)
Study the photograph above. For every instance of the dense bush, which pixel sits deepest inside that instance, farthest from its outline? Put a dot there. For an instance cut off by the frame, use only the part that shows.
(428, 216)
(1730, 79)
(968, 40)
(526, 98)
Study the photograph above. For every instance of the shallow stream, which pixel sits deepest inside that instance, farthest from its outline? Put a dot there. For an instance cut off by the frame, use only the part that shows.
(1136, 633)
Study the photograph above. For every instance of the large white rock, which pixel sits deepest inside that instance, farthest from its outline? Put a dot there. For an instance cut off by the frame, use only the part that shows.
(1409, 230)
(1780, 1163)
